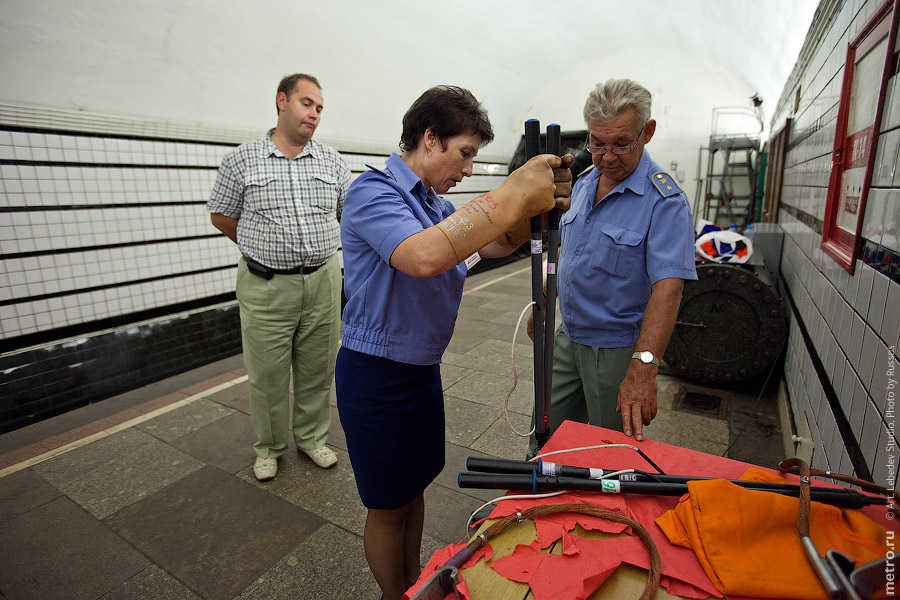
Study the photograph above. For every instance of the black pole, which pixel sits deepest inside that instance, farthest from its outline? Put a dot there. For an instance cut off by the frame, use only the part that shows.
(542, 483)
(541, 467)
(553, 147)
(532, 149)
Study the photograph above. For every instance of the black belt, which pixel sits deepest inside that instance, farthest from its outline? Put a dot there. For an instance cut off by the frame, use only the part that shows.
(297, 270)
(265, 272)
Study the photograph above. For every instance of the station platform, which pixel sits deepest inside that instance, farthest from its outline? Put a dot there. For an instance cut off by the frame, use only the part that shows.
(151, 494)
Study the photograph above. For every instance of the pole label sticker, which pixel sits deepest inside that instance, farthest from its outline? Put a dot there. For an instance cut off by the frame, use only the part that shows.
(611, 486)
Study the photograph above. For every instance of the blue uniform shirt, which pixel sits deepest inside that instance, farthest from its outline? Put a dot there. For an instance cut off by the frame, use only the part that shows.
(388, 313)
(612, 253)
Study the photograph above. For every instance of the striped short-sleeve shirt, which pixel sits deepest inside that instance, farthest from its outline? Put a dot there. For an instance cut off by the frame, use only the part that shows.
(288, 210)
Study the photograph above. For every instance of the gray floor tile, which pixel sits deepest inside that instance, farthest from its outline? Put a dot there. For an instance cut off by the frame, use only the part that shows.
(457, 359)
(451, 374)
(476, 323)
(332, 395)
(668, 387)
(187, 419)
(59, 551)
(500, 441)
(687, 430)
(500, 365)
(329, 564)
(465, 338)
(446, 512)
(116, 471)
(24, 491)
(236, 397)
(491, 298)
(151, 584)
(470, 299)
(226, 443)
(466, 421)
(492, 349)
(336, 437)
(706, 427)
(491, 390)
(755, 437)
(329, 493)
(672, 434)
(213, 532)
(488, 317)
(454, 464)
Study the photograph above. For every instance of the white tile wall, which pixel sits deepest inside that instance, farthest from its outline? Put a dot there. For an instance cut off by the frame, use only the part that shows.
(86, 219)
(878, 302)
(890, 323)
(856, 318)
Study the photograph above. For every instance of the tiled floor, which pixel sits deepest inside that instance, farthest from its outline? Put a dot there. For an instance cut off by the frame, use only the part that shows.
(152, 495)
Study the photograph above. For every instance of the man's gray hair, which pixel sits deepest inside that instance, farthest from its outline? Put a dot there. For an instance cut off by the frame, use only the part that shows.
(610, 99)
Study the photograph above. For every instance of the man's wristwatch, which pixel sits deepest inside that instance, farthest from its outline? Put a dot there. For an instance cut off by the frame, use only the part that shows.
(646, 357)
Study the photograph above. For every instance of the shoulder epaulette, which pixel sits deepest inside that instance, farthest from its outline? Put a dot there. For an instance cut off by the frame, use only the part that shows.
(380, 172)
(665, 183)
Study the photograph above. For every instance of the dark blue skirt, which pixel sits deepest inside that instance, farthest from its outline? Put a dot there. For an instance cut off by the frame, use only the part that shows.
(393, 418)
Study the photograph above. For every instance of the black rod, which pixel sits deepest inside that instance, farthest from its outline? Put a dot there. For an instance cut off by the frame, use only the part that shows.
(532, 149)
(554, 145)
(542, 467)
(535, 483)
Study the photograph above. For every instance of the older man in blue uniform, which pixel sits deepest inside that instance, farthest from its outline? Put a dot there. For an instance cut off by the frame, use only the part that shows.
(627, 248)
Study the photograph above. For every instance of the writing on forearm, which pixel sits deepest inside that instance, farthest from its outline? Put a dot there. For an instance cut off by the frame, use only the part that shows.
(484, 204)
(489, 201)
(458, 226)
(459, 223)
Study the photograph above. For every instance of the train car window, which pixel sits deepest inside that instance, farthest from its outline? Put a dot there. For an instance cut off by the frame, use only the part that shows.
(866, 71)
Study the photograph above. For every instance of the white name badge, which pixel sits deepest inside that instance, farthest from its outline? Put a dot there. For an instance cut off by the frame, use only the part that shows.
(472, 260)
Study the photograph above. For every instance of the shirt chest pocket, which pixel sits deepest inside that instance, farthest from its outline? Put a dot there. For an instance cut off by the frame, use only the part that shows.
(570, 225)
(323, 193)
(618, 250)
(261, 194)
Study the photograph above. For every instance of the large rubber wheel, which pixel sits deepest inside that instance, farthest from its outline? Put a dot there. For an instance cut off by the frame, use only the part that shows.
(731, 325)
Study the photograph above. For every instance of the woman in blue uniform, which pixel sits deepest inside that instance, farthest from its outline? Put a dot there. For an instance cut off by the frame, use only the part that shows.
(404, 249)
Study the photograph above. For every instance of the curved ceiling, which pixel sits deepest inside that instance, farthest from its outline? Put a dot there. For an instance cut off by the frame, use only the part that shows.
(217, 62)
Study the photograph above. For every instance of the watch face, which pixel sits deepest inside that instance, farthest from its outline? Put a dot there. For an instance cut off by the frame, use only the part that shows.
(645, 357)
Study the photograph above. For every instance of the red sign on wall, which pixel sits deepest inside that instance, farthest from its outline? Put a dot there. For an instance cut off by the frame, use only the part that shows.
(862, 100)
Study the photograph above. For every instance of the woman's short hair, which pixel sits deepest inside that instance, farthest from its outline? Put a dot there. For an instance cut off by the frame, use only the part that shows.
(449, 111)
(610, 99)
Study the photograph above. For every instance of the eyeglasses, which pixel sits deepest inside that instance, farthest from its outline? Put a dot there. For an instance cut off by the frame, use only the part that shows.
(615, 148)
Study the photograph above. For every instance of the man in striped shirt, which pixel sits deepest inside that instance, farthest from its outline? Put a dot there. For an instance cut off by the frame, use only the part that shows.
(279, 198)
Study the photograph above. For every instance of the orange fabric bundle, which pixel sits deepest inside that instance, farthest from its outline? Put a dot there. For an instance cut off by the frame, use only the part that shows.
(747, 541)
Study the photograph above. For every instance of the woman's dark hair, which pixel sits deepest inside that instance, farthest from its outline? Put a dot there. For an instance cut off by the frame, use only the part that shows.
(448, 110)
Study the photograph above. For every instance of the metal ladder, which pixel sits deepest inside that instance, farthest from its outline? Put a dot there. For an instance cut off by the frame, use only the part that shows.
(731, 176)
(729, 189)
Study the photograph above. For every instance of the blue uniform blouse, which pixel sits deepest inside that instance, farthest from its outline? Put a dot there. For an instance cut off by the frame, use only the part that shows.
(612, 253)
(388, 313)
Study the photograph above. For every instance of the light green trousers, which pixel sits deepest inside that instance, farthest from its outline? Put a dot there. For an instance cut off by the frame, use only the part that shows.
(585, 385)
(290, 326)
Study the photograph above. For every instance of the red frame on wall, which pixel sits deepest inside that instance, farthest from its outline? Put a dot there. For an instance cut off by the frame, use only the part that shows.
(853, 157)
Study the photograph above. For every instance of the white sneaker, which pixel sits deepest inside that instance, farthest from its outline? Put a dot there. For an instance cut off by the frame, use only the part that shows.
(322, 456)
(265, 468)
